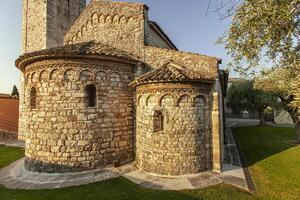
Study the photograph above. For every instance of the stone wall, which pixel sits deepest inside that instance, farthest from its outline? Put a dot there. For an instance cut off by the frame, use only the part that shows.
(60, 16)
(183, 145)
(156, 57)
(153, 39)
(44, 25)
(120, 25)
(63, 134)
(34, 25)
(46, 22)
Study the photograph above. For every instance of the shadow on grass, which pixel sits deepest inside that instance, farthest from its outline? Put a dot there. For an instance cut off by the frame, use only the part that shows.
(123, 189)
(258, 143)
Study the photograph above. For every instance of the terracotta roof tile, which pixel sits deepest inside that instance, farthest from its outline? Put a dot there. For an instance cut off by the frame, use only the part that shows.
(172, 72)
(85, 48)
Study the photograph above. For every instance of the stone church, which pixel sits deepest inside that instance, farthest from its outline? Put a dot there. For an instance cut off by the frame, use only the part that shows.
(103, 85)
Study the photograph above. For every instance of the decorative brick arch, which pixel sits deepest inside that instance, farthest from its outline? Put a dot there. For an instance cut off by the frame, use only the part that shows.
(162, 97)
(70, 74)
(101, 76)
(55, 74)
(181, 97)
(114, 76)
(43, 76)
(86, 75)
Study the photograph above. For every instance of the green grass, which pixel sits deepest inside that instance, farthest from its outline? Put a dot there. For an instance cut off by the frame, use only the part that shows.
(273, 161)
(9, 155)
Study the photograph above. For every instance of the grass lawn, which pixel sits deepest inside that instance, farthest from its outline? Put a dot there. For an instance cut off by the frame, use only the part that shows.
(9, 155)
(272, 159)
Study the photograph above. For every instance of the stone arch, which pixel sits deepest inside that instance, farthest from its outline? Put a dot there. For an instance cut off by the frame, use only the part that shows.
(55, 75)
(74, 39)
(70, 75)
(28, 78)
(115, 18)
(83, 30)
(43, 76)
(86, 75)
(94, 18)
(101, 76)
(101, 18)
(114, 76)
(141, 100)
(158, 121)
(199, 100)
(88, 25)
(90, 95)
(108, 19)
(166, 100)
(184, 100)
(151, 99)
(127, 77)
(33, 97)
(123, 19)
(34, 77)
(129, 20)
(78, 35)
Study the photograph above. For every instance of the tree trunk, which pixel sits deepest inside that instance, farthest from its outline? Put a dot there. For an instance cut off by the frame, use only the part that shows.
(294, 113)
(262, 121)
(297, 127)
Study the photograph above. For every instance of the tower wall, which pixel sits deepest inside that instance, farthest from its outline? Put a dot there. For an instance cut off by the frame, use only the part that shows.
(44, 24)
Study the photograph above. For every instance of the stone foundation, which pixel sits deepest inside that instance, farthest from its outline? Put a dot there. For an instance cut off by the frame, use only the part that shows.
(39, 166)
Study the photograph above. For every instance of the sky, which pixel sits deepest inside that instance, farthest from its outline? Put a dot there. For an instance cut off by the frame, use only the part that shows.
(184, 21)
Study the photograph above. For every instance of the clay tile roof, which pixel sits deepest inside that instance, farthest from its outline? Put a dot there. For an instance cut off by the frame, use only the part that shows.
(2, 95)
(172, 72)
(85, 48)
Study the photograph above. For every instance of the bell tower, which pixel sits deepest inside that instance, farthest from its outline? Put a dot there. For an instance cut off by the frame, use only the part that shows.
(44, 24)
(46, 21)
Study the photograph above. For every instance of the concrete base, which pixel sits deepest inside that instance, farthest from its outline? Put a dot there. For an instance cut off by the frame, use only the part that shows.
(15, 176)
(193, 181)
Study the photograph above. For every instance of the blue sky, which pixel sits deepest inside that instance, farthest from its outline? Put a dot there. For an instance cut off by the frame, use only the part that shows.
(183, 20)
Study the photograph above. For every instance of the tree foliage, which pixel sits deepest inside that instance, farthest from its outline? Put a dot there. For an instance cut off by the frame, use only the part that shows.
(267, 29)
(15, 92)
(284, 82)
(243, 96)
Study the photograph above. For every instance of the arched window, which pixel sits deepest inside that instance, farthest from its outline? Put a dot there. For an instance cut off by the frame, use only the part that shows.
(158, 121)
(90, 95)
(33, 98)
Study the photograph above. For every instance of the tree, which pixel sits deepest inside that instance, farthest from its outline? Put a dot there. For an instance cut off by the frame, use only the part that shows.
(261, 29)
(285, 83)
(243, 96)
(267, 30)
(15, 91)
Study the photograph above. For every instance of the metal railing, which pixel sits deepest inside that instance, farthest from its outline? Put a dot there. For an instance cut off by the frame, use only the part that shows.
(8, 125)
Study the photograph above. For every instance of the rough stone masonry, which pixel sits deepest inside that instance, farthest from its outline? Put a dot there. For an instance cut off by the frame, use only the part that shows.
(104, 85)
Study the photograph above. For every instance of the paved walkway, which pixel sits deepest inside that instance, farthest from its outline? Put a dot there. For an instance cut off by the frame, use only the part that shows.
(232, 170)
(15, 176)
(13, 143)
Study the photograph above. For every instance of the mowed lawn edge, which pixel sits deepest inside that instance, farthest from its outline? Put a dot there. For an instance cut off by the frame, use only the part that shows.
(273, 159)
(265, 160)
